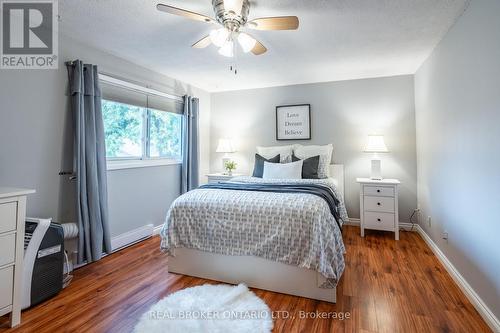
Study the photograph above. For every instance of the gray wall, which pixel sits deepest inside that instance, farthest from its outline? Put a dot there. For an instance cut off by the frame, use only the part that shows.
(458, 138)
(342, 113)
(36, 142)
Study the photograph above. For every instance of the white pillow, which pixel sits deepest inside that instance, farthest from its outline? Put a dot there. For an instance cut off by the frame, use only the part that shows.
(269, 152)
(325, 156)
(292, 170)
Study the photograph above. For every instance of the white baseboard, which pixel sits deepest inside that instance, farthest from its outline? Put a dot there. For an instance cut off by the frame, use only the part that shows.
(157, 229)
(353, 221)
(131, 237)
(470, 293)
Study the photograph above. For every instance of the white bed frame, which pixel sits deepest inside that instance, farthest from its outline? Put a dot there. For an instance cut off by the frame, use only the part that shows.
(256, 272)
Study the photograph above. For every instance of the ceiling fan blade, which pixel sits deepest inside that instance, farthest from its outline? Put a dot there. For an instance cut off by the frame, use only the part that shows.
(258, 49)
(184, 13)
(275, 23)
(202, 43)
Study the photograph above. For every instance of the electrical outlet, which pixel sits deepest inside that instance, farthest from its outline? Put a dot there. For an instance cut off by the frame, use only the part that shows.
(445, 235)
(429, 221)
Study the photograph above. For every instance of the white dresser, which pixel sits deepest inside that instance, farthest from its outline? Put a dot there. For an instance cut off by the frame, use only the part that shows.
(12, 219)
(378, 204)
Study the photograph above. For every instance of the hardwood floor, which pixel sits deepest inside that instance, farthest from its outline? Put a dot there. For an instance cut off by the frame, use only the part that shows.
(388, 286)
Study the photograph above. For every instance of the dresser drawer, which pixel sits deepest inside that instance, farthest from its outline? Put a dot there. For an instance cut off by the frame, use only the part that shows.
(7, 249)
(6, 286)
(379, 191)
(379, 204)
(379, 221)
(8, 216)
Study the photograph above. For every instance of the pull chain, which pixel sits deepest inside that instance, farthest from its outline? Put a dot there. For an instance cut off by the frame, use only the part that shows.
(233, 67)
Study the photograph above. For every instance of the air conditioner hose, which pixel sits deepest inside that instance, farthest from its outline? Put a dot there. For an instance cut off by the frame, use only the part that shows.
(70, 230)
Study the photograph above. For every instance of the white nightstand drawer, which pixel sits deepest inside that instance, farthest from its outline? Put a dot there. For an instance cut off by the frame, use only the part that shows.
(220, 177)
(8, 216)
(7, 249)
(218, 180)
(379, 221)
(379, 191)
(379, 204)
(6, 283)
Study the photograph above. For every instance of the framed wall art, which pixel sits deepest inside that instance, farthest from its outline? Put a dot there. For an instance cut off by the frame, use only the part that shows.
(293, 122)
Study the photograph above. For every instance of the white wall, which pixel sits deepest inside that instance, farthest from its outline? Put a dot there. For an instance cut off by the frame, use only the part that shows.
(36, 142)
(457, 93)
(342, 113)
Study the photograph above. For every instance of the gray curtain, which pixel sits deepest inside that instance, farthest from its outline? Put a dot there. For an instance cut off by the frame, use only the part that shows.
(89, 162)
(190, 149)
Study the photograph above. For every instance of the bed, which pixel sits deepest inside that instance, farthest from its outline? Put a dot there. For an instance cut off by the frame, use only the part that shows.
(283, 242)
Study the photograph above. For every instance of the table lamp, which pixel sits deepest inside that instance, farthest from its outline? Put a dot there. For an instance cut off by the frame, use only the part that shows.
(376, 145)
(225, 146)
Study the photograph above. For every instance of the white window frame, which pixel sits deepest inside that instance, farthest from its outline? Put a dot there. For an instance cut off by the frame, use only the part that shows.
(119, 163)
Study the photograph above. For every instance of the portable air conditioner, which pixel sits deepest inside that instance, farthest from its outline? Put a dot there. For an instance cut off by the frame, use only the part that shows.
(43, 261)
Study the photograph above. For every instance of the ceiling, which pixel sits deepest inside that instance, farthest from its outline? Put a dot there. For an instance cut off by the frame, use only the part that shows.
(336, 40)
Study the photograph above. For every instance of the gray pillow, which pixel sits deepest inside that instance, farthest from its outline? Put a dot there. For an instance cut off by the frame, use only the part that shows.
(258, 167)
(309, 167)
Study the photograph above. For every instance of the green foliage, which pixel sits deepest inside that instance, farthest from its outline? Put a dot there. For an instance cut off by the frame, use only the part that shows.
(165, 134)
(123, 127)
(121, 122)
(230, 165)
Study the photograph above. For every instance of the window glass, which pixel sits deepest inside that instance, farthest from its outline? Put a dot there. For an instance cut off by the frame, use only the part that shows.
(123, 128)
(164, 134)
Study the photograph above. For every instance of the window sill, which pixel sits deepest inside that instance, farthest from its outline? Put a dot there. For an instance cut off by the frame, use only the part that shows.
(132, 164)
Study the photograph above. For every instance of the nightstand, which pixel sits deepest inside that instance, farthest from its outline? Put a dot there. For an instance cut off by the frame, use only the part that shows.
(378, 205)
(220, 177)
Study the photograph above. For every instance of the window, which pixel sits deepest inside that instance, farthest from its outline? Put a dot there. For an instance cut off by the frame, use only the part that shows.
(140, 133)
(142, 126)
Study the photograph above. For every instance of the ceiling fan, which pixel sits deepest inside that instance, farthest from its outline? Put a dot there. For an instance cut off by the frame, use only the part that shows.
(232, 15)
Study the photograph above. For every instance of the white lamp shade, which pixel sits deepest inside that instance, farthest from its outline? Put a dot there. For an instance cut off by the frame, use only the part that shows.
(219, 36)
(247, 42)
(227, 49)
(376, 144)
(225, 146)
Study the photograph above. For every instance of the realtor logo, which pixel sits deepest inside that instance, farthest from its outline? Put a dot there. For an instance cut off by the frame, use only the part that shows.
(29, 34)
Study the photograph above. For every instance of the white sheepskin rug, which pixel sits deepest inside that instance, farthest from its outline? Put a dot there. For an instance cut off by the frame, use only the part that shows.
(209, 308)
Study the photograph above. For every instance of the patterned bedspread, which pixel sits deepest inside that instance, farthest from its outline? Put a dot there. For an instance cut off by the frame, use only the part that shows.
(292, 228)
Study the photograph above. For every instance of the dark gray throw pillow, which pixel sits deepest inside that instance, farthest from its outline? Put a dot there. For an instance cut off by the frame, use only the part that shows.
(309, 167)
(258, 167)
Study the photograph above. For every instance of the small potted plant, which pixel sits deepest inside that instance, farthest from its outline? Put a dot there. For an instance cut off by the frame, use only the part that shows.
(230, 166)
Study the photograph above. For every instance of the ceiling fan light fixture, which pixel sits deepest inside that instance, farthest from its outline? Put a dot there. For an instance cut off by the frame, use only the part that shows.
(227, 50)
(246, 42)
(219, 36)
(231, 16)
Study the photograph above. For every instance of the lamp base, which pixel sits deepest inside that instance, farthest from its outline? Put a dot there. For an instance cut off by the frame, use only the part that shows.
(376, 173)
